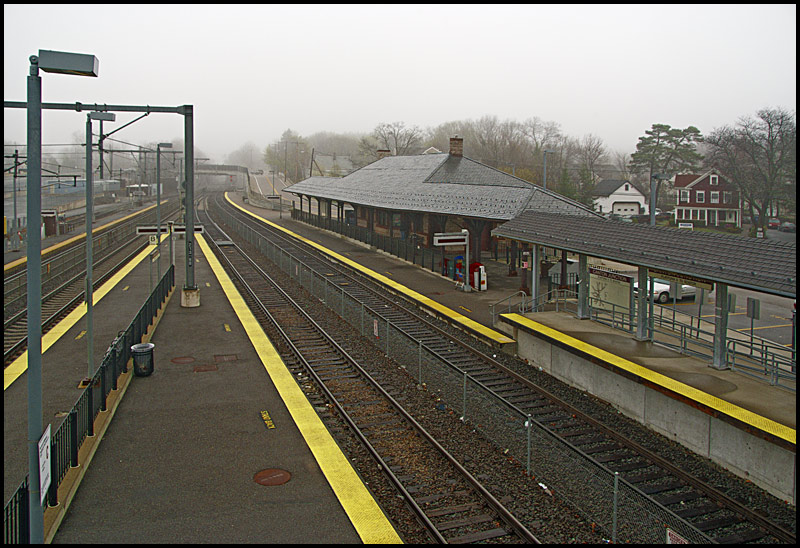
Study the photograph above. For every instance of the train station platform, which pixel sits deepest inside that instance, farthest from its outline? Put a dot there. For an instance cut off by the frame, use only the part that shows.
(180, 459)
(756, 409)
(105, 215)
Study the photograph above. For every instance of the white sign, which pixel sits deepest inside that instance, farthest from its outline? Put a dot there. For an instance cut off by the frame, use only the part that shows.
(450, 238)
(681, 278)
(44, 464)
(675, 538)
(181, 229)
(153, 239)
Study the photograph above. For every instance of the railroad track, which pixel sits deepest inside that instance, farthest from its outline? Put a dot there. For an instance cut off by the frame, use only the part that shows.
(63, 299)
(451, 504)
(710, 513)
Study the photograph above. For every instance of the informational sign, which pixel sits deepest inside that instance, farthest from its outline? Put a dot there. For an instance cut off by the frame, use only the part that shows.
(153, 239)
(753, 308)
(151, 229)
(181, 229)
(610, 289)
(675, 538)
(44, 464)
(681, 278)
(450, 238)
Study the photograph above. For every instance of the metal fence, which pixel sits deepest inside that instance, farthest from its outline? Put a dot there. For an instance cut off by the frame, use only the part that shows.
(614, 505)
(66, 442)
(686, 333)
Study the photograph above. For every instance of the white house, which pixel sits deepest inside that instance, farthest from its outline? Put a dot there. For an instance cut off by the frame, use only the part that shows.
(620, 197)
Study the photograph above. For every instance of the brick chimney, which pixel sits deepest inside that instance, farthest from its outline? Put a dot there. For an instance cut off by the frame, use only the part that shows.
(383, 153)
(456, 146)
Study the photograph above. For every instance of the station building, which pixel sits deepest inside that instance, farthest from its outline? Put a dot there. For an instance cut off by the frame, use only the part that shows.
(414, 197)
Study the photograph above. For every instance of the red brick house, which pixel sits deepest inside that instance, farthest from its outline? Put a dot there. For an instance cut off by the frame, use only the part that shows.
(707, 200)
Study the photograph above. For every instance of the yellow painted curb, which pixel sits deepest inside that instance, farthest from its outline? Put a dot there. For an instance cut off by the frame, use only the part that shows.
(366, 516)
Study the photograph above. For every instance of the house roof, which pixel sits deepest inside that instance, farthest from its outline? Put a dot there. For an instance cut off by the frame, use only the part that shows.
(690, 179)
(441, 184)
(607, 187)
(763, 265)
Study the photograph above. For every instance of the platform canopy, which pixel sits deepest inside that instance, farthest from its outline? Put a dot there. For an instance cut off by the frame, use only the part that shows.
(759, 264)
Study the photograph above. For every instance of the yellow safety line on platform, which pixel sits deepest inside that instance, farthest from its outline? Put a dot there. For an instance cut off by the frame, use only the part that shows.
(430, 303)
(79, 237)
(20, 365)
(744, 415)
(364, 513)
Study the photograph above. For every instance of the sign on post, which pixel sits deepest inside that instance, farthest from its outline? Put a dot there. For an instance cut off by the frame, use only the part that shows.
(44, 464)
(681, 278)
(150, 229)
(181, 229)
(450, 238)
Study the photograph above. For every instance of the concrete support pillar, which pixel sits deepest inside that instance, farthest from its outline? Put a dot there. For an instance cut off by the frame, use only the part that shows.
(583, 287)
(536, 274)
(641, 307)
(721, 328)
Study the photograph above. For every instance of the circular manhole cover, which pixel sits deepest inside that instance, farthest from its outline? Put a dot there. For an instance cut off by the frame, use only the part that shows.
(182, 359)
(272, 476)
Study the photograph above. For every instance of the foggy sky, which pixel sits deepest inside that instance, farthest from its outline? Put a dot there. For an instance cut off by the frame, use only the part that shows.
(253, 71)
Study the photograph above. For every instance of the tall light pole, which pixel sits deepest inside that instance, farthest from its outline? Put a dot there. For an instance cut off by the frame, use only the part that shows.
(654, 179)
(108, 117)
(544, 175)
(158, 202)
(60, 63)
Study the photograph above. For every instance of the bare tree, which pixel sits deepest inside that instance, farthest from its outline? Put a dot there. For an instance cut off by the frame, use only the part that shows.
(759, 156)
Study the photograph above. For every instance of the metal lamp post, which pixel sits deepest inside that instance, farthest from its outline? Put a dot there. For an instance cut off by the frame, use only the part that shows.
(544, 175)
(60, 63)
(654, 178)
(158, 202)
(108, 117)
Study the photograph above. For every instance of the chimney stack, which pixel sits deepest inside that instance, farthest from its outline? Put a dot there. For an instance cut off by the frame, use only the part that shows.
(456, 146)
(383, 153)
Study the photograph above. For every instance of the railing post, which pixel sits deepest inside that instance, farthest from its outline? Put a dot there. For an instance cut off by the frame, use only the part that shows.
(528, 425)
(73, 437)
(464, 399)
(90, 409)
(52, 491)
(616, 499)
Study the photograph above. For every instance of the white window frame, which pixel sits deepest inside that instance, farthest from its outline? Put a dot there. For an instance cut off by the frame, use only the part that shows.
(727, 197)
(714, 180)
(684, 196)
(700, 196)
(714, 197)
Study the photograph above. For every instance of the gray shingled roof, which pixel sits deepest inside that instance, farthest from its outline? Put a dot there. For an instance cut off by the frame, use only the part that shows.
(763, 265)
(438, 183)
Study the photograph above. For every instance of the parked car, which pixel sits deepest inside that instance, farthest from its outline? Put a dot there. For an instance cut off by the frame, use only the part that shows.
(788, 227)
(774, 223)
(661, 290)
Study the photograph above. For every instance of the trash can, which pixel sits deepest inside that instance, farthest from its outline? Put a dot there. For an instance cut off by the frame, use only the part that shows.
(142, 359)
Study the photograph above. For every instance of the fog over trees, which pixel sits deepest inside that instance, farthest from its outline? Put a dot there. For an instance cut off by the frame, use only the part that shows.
(575, 164)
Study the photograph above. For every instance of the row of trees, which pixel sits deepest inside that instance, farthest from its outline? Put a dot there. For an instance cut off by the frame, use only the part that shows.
(757, 153)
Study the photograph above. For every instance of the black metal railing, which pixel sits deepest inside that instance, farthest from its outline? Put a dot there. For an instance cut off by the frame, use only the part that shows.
(66, 442)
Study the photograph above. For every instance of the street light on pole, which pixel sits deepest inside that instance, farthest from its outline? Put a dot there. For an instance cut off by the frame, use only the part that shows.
(654, 178)
(544, 175)
(108, 117)
(60, 63)
(158, 202)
